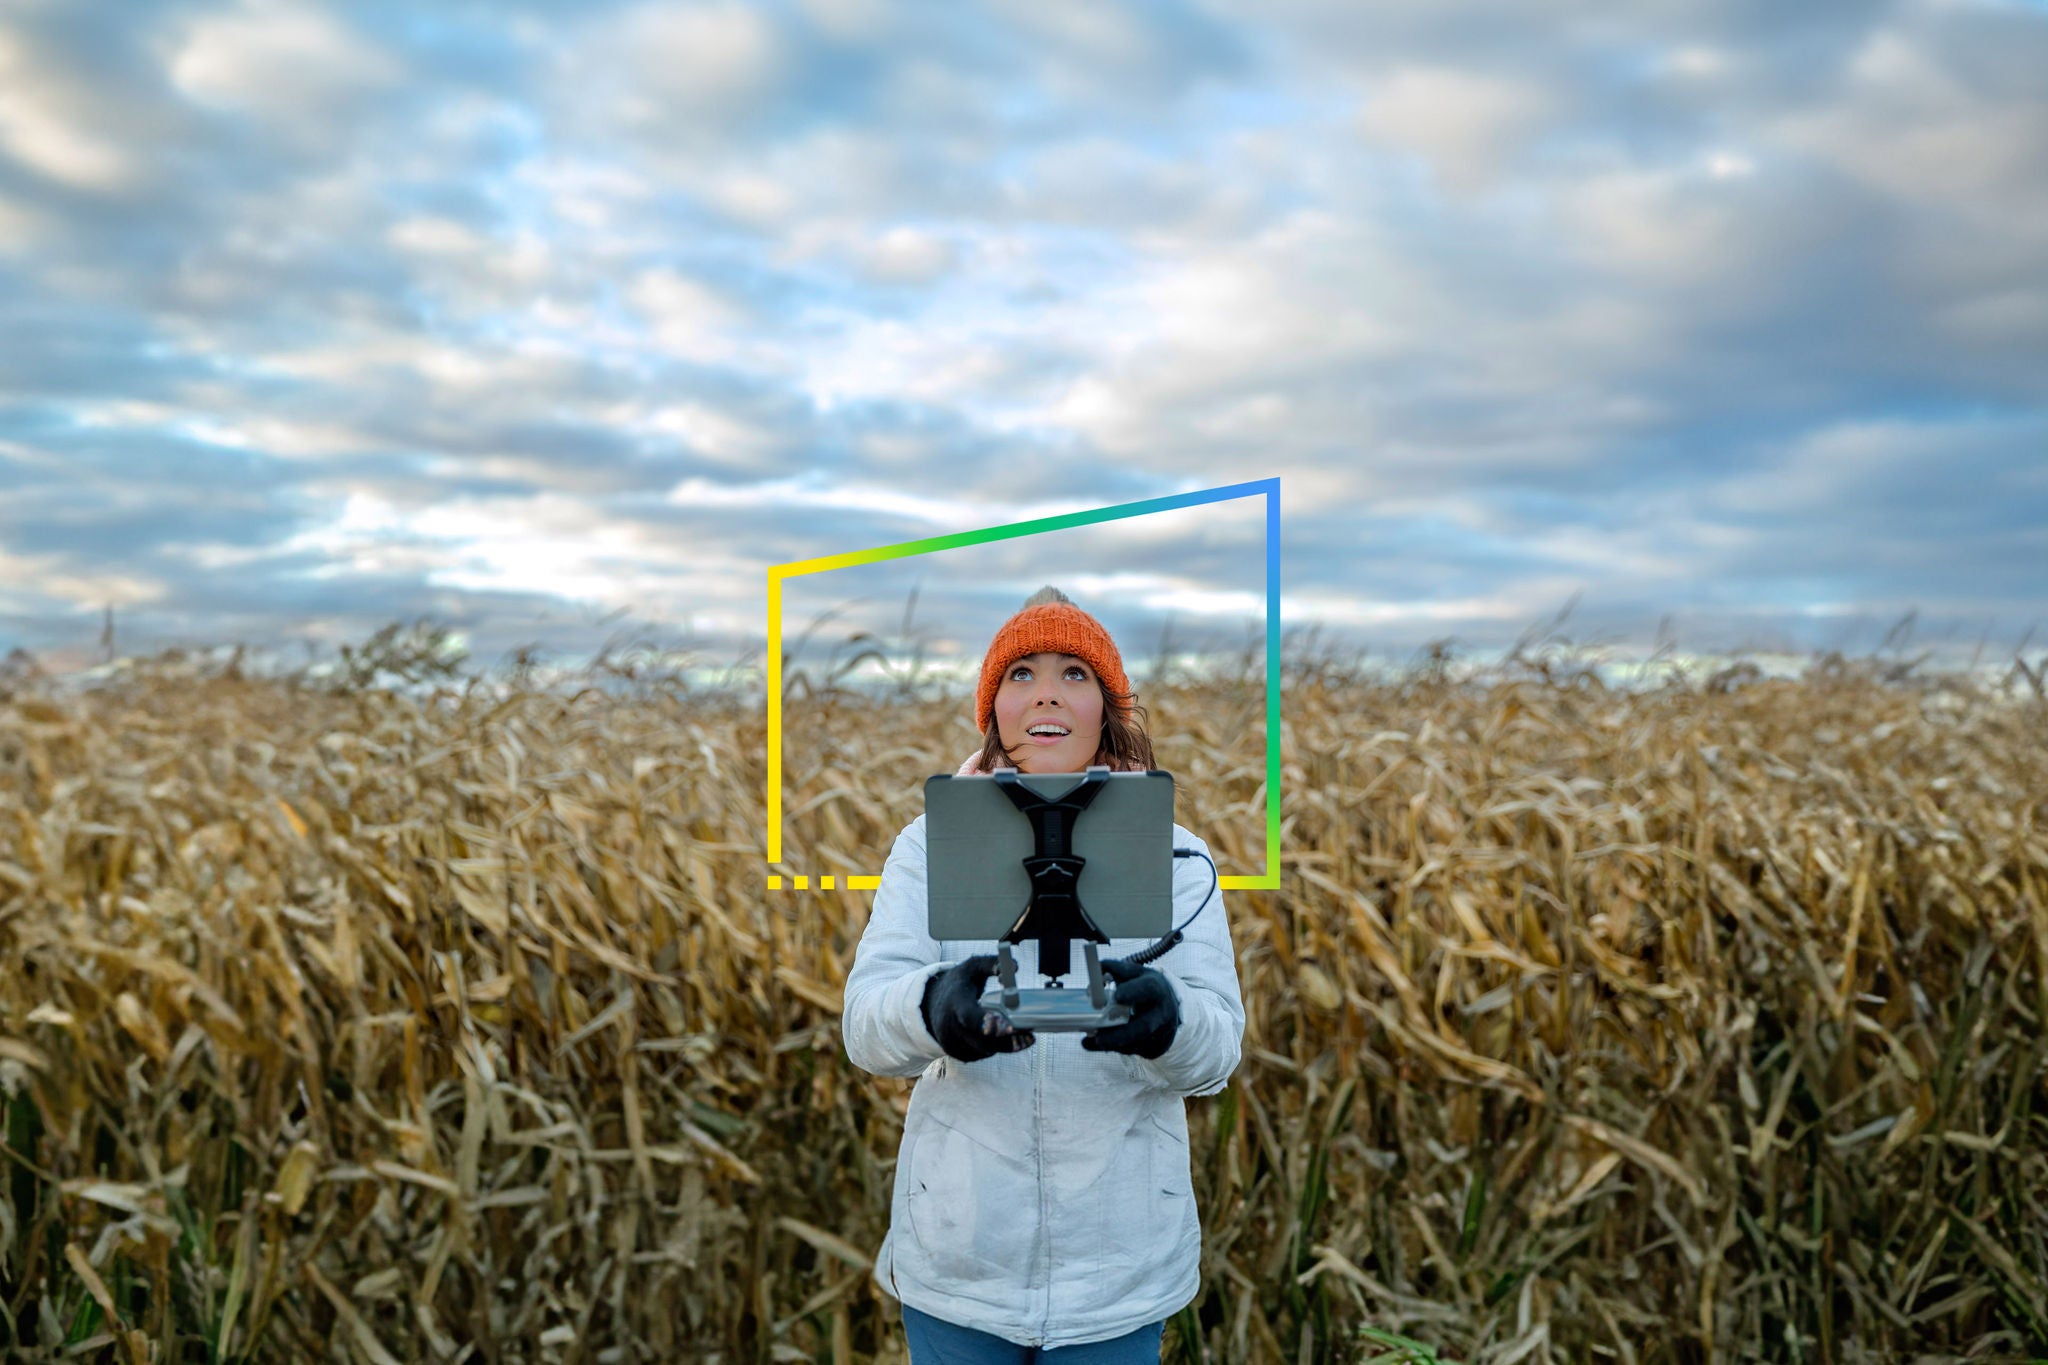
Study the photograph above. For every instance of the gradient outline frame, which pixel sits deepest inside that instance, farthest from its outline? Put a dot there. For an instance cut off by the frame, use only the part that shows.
(1269, 488)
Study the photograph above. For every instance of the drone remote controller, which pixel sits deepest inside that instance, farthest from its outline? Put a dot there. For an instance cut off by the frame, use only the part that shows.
(1055, 1009)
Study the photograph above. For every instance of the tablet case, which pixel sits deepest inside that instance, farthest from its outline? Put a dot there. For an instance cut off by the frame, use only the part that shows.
(976, 843)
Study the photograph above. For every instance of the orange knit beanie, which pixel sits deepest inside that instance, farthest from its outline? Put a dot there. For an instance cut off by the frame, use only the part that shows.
(1050, 624)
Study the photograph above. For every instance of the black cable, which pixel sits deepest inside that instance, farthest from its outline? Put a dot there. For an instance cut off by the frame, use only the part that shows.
(1161, 948)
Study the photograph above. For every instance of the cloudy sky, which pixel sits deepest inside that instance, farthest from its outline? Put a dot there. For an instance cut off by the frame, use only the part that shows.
(1726, 320)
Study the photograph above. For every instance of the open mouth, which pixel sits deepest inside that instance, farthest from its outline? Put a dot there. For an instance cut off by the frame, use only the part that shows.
(1046, 732)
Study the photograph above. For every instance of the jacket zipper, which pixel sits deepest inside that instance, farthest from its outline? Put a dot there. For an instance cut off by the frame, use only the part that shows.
(1038, 1146)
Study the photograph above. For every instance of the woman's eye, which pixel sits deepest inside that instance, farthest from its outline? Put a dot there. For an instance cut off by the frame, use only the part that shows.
(1020, 675)
(1077, 673)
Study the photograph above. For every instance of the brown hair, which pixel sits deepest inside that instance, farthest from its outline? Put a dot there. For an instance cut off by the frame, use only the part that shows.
(1125, 745)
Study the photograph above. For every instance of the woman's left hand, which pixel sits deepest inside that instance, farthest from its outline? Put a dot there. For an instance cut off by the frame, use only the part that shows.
(1155, 1013)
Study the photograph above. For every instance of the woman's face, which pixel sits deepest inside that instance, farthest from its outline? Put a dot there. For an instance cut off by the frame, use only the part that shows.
(1058, 697)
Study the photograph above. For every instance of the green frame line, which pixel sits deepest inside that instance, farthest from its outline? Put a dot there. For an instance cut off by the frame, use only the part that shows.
(1268, 488)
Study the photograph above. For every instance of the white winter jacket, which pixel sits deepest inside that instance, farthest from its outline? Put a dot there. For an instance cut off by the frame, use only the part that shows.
(1042, 1196)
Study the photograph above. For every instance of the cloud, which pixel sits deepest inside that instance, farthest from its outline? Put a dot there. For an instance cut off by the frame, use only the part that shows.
(278, 61)
(686, 317)
(854, 22)
(1113, 53)
(1465, 124)
(906, 255)
(1936, 109)
(673, 73)
(49, 122)
(1731, 312)
(1878, 496)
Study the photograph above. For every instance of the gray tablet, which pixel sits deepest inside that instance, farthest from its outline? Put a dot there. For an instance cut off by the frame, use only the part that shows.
(976, 842)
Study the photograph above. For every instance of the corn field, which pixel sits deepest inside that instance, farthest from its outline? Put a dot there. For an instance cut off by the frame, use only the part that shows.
(1698, 1023)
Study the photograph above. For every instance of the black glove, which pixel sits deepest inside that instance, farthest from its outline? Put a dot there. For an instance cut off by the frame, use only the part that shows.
(953, 1012)
(1155, 1013)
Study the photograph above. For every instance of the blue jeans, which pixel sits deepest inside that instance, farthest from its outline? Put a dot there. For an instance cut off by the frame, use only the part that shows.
(934, 1341)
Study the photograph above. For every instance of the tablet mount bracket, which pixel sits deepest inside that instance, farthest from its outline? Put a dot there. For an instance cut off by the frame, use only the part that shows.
(1054, 916)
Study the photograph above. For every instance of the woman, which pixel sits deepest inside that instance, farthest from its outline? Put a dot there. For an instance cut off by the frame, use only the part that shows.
(1042, 1207)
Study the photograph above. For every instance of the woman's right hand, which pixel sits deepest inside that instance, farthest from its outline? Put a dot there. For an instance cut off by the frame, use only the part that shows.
(953, 1012)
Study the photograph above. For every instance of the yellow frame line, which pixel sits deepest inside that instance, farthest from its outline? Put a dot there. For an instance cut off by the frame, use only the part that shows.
(775, 715)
